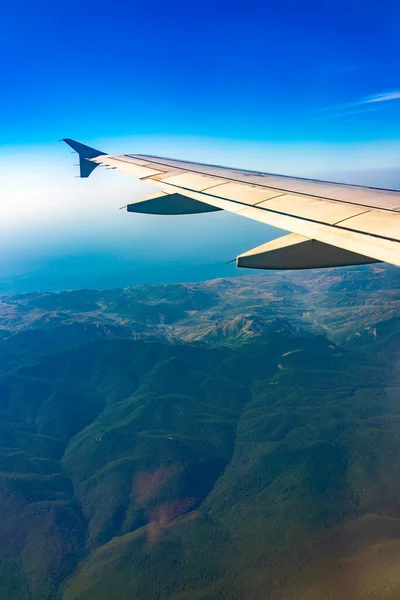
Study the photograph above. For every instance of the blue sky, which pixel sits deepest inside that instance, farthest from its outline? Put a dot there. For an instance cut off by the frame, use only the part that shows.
(284, 71)
(304, 88)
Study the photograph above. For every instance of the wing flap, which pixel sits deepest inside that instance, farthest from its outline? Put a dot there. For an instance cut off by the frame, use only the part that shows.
(306, 207)
(374, 221)
(240, 192)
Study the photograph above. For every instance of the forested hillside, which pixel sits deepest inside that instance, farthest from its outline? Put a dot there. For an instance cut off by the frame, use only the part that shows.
(227, 439)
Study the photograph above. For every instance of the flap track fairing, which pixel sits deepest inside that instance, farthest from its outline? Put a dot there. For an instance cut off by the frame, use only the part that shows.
(170, 204)
(295, 251)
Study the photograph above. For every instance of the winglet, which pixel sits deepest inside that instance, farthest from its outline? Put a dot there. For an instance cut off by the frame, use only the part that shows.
(85, 154)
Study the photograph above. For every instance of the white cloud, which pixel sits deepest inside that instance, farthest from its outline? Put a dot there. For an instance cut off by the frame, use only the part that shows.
(344, 109)
(381, 98)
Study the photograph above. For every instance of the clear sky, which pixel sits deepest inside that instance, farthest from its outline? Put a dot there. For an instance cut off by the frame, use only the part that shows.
(308, 88)
(243, 70)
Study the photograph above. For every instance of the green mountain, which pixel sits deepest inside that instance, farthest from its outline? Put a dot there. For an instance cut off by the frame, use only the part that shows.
(228, 439)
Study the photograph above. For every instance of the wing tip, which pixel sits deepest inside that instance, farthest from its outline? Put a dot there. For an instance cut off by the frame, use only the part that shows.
(86, 153)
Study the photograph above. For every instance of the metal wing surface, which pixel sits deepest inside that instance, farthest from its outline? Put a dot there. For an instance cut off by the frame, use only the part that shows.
(332, 224)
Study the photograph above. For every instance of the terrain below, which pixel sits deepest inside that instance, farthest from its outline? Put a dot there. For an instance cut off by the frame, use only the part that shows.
(237, 438)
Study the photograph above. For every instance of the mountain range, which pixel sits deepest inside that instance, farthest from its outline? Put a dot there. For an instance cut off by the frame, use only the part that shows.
(230, 439)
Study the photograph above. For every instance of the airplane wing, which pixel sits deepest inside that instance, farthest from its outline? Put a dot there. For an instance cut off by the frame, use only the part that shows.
(332, 224)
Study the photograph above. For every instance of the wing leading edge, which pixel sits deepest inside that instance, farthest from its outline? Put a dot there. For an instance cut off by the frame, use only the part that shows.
(332, 224)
